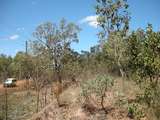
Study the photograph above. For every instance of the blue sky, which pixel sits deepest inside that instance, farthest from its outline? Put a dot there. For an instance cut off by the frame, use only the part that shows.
(19, 18)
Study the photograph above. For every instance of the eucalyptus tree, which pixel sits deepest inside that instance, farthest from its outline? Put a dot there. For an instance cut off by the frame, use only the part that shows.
(112, 16)
(113, 19)
(115, 49)
(55, 40)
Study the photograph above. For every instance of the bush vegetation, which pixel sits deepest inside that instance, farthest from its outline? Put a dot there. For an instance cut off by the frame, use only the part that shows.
(97, 87)
(121, 52)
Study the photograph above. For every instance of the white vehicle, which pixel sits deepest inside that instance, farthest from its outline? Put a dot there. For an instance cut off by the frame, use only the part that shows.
(10, 82)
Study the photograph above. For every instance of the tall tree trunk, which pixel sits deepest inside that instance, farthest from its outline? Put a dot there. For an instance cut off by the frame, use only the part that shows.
(58, 87)
(59, 76)
(122, 73)
(57, 69)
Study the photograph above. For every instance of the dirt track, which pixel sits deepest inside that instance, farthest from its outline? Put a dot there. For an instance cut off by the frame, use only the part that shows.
(20, 85)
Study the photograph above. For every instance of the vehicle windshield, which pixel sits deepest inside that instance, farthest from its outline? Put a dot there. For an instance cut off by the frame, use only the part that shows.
(8, 81)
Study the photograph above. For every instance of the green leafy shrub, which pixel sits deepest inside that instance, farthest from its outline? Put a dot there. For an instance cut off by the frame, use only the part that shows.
(144, 62)
(151, 97)
(97, 87)
(134, 111)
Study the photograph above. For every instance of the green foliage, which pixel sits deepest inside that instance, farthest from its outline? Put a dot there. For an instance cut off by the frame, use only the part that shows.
(115, 49)
(144, 53)
(71, 65)
(135, 112)
(112, 16)
(151, 97)
(144, 62)
(5, 67)
(97, 87)
(54, 40)
(22, 65)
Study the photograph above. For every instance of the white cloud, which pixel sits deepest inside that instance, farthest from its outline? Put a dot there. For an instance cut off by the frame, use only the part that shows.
(13, 37)
(90, 20)
(20, 29)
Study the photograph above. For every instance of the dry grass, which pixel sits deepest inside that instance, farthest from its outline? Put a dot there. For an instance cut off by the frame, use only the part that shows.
(72, 107)
(20, 105)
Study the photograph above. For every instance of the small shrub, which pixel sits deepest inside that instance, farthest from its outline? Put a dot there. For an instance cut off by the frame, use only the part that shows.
(131, 112)
(151, 97)
(97, 87)
(134, 111)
